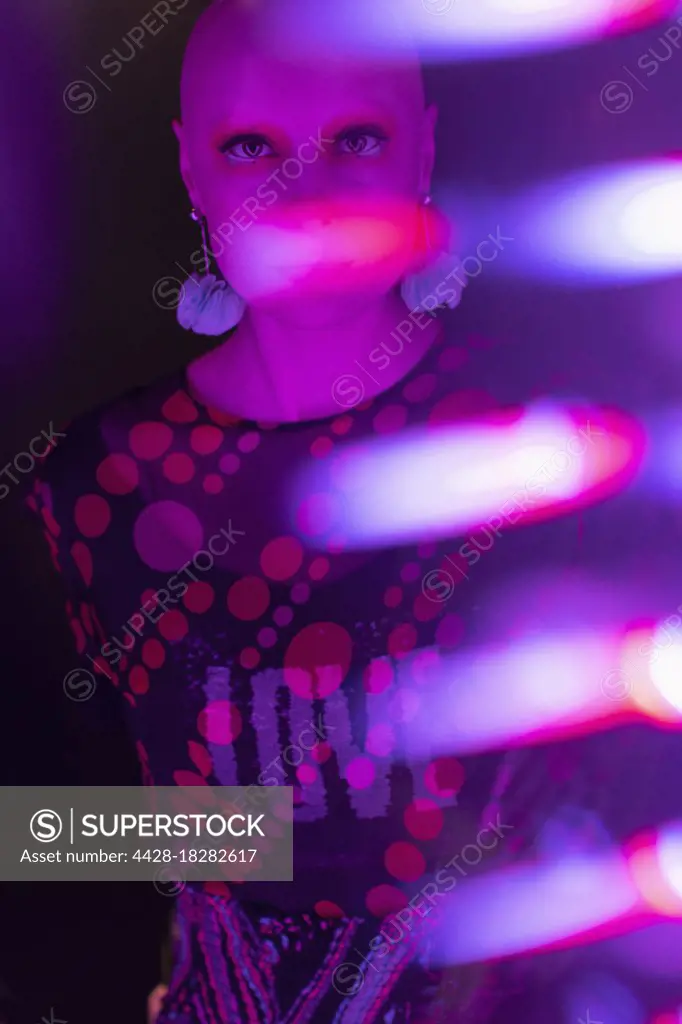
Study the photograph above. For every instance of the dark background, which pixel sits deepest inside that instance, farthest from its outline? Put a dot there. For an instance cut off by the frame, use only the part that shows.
(94, 213)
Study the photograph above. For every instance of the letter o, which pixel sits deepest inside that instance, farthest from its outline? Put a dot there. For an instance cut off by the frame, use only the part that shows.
(477, 262)
(297, 163)
(561, 469)
(580, 450)
(29, 457)
(294, 763)
(470, 846)
(223, 824)
(196, 564)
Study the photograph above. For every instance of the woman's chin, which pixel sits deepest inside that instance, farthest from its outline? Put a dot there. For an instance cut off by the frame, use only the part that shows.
(315, 310)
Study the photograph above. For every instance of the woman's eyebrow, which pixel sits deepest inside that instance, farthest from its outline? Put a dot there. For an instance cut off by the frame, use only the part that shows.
(235, 127)
(374, 118)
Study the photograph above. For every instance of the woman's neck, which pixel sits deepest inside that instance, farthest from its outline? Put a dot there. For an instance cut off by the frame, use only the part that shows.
(274, 372)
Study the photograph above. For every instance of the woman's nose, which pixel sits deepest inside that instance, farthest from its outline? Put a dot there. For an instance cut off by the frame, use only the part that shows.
(307, 182)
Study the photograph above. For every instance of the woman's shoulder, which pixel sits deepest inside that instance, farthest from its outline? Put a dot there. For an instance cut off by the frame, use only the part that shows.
(118, 429)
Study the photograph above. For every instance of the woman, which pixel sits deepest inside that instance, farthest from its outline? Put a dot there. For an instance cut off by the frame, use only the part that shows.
(225, 668)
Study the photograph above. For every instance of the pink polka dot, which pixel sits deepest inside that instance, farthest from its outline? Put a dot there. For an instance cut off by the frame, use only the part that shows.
(199, 597)
(223, 419)
(166, 534)
(425, 609)
(321, 752)
(444, 777)
(220, 722)
(450, 631)
(427, 550)
(360, 773)
(249, 442)
(420, 389)
(321, 447)
(180, 408)
(138, 680)
(200, 757)
(178, 468)
(92, 515)
(393, 417)
(267, 637)
(306, 774)
(173, 626)
(153, 654)
(213, 484)
(206, 439)
(229, 464)
(118, 474)
(378, 675)
(380, 740)
(402, 640)
(318, 568)
(317, 660)
(184, 778)
(327, 909)
(460, 405)
(317, 514)
(393, 597)
(410, 572)
(342, 425)
(249, 657)
(281, 558)
(384, 900)
(452, 359)
(83, 559)
(405, 862)
(425, 667)
(283, 615)
(300, 593)
(423, 819)
(150, 440)
(248, 598)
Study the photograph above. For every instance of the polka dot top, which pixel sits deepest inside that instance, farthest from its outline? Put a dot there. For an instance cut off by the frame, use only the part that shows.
(248, 644)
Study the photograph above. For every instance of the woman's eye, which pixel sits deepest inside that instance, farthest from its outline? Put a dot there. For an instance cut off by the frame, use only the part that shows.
(246, 148)
(361, 143)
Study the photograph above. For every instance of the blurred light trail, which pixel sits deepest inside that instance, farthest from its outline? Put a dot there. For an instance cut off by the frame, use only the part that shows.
(465, 29)
(621, 223)
(570, 901)
(504, 469)
(478, 28)
(539, 906)
(540, 689)
(352, 244)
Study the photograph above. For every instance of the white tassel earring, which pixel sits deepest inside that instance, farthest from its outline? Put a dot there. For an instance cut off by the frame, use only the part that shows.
(208, 304)
(428, 290)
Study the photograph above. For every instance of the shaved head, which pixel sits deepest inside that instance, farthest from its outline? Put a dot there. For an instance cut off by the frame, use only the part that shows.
(288, 101)
(338, 32)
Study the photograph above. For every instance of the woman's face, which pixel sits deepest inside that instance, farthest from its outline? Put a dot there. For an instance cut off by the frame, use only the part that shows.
(272, 151)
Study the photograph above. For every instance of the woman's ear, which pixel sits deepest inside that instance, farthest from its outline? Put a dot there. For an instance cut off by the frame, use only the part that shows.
(428, 148)
(185, 168)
